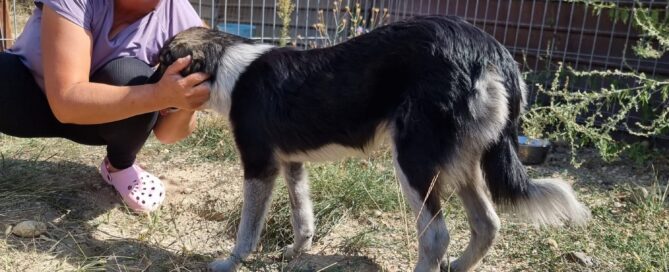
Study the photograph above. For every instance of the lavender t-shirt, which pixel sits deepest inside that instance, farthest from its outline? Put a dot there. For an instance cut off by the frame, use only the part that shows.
(142, 39)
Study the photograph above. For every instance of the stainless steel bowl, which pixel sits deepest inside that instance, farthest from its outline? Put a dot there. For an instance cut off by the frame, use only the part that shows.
(533, 151)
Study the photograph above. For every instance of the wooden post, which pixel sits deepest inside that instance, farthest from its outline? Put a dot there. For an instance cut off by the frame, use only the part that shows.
(5, 26)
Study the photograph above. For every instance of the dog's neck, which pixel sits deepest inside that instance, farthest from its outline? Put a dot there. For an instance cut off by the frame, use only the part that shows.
(234, 62)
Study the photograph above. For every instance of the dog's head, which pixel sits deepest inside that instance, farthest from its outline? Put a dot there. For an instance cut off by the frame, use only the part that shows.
(205, 46)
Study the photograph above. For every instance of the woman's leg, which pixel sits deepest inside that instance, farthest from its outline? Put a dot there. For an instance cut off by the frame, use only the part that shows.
(25, 112)
(142, 191)
(126, 137)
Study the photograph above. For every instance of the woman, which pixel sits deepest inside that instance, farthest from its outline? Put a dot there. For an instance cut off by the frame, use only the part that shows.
(80, 71)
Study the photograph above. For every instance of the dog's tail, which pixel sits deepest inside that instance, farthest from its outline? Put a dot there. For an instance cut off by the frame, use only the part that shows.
(545, 201)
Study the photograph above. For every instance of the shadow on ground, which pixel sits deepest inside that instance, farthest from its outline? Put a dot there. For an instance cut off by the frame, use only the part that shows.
(89, 230)
(68, 196)
(311, 262)
(71, 199)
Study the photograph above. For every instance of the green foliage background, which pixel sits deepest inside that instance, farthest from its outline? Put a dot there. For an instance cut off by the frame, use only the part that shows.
(578, 117)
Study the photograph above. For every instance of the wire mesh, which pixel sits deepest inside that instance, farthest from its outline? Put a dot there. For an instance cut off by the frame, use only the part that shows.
(540, 34)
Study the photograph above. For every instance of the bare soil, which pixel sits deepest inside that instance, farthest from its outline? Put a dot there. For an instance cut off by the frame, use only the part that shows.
(57, 182)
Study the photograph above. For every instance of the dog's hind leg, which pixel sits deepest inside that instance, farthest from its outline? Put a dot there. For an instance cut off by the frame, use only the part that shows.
(420, 183)
(483, 221)
(257, 198)
(300, 204)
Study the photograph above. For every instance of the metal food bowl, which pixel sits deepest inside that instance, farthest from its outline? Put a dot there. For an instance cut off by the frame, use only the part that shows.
(533, 151)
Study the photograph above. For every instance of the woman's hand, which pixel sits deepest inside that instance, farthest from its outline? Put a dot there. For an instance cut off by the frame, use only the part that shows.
(189, 93)
(186, 93)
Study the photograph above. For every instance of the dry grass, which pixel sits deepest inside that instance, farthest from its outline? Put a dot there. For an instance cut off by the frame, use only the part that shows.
(363, 223)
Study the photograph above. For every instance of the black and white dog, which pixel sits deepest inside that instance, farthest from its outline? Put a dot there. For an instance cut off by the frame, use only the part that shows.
(446, 94)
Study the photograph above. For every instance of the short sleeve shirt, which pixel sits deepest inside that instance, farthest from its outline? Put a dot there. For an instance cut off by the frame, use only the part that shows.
(142, 39)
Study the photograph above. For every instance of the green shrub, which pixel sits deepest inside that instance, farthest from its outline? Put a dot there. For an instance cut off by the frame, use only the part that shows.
(577, 117)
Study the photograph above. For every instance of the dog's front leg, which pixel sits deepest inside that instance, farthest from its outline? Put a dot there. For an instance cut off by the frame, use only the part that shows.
(300, 204)
(257, 198)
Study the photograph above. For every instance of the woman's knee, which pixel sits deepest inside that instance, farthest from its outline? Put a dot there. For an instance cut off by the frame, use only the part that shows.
(126, 71)
(136, 127)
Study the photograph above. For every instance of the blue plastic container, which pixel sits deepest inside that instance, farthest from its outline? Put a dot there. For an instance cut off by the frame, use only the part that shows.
(244, 30)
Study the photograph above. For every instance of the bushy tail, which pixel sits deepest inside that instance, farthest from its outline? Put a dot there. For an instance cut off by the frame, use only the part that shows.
(545, 201)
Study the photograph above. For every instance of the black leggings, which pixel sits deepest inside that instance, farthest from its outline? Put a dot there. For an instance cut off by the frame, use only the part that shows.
(25, 112)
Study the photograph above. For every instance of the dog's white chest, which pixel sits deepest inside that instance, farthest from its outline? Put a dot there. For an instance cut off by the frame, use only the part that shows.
(330, 152)
(333, 152)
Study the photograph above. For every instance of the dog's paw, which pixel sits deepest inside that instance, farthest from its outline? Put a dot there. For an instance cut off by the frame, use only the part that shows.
(449, 264)
(227, 265)
(290, 252)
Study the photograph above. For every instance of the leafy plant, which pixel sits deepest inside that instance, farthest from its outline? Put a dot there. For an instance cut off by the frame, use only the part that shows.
(284, 11)
(349, 23)
(655, 39)
(577, 116)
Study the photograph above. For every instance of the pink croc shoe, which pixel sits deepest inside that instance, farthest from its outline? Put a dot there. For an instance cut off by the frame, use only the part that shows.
(140, 190)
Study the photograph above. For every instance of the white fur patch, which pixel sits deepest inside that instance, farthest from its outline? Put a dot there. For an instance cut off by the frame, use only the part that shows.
(332, 152)
(257, 198)
(483, 221)
(551, 202)
(328, 152)
(489, 108)
(523, 92)
(234, 62)
(302, 210)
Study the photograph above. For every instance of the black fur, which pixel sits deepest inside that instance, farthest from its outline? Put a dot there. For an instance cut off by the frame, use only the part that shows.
(416, 75)
(433, 83)
(505, 175)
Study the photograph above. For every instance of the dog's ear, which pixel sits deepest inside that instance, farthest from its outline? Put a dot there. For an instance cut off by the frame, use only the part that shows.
(205, 46)
(165, 59)
(167, 55)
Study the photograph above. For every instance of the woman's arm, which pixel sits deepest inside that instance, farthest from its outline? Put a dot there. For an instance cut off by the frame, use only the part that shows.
(174, 126)
(67, 49)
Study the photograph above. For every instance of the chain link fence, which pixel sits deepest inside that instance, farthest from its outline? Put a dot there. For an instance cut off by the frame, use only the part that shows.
(540, 34)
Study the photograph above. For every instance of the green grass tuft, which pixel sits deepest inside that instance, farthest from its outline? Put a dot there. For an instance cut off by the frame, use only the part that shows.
(349, 188)
(212, 140)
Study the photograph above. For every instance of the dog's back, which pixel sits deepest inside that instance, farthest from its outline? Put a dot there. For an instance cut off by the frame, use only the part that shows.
(347, 94)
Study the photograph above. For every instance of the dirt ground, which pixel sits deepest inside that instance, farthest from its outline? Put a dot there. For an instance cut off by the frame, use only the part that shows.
(57, 182)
